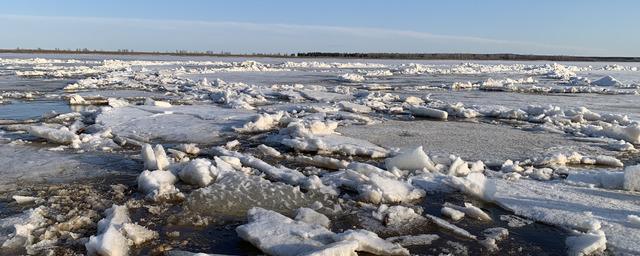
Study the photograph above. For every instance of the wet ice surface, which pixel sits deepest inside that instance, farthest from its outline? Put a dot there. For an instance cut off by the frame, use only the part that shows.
(469, 140)
(372, 156)
(27, 164)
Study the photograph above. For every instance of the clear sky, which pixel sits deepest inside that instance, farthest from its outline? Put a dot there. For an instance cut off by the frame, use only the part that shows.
(577, 27)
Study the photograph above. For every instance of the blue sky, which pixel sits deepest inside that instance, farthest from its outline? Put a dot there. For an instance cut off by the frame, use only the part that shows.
(587, 27)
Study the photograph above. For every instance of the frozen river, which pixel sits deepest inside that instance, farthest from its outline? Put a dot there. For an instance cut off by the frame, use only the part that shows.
(117, 155)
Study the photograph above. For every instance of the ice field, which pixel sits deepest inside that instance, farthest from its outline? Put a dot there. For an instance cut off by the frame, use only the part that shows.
(130, 155)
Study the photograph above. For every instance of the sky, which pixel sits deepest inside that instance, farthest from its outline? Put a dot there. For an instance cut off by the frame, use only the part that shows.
(569, 27)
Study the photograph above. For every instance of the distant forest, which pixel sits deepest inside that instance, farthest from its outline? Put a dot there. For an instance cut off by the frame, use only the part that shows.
(416, 56)
(464, 56)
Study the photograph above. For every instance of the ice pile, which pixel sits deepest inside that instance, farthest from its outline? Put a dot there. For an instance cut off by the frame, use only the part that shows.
(234, 193)
(318, 136)
(157, 181)
(116, 233)
(352, 78)
(61, 136)
(276, 234)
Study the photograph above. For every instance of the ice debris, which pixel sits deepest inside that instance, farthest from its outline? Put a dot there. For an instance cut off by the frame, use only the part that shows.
(276, 234)
(422, 111)
(116, 233)
(632, 178)
(414, 159)
(587, 243)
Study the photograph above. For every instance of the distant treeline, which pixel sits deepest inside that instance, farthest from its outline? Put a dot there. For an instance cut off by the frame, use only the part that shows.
(463, 56)
(417, 56)
(133, 52)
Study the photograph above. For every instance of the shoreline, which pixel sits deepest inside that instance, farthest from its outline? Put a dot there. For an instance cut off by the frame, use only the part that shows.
(329, 55)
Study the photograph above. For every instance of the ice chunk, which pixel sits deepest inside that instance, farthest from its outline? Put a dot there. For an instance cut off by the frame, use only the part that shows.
(154, 158)
(475, 184)
(489, 243)
(109, 243)
(414, 159)
(261, 123)
(333, 143)
(547, 202)
(428, 112)
(117, 103)
(368, 169)
(284, 174)
(157, 103)
(621, 145)
(542, 174)
(586, 244)
(383, 72)
(634, 219)
(24, 199)
(138, 234)
(323, 162)
(76, 99)
(471, 211)
(381, 189)
(200, 172)
(149, 157)
(233, 194)
(450, 227)
(373, 187)
(632, 178)
(608, 81)
(310, 216)
(371, 243)
(413, 100)
(452, 213)
(116, 233)
(579, 81)
(397, 219)
(23, 229)
(608, 161)
(269, 151)
(322, 96)
(603, 179)
(61, 136)
(232, 144)
(630, 133)
(477, 166)
(322, 128)
(433, 182)
(497, 233)
(424, 239)
(492, 235)
(349, 77)
(189, 148)
(459, 167)
(157, 184)
(162, 161)
(342, 248)
(353, 107)
(510, 166)
(276, 234)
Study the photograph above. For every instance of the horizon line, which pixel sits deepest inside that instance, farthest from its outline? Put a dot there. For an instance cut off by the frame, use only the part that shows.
(326, 54)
